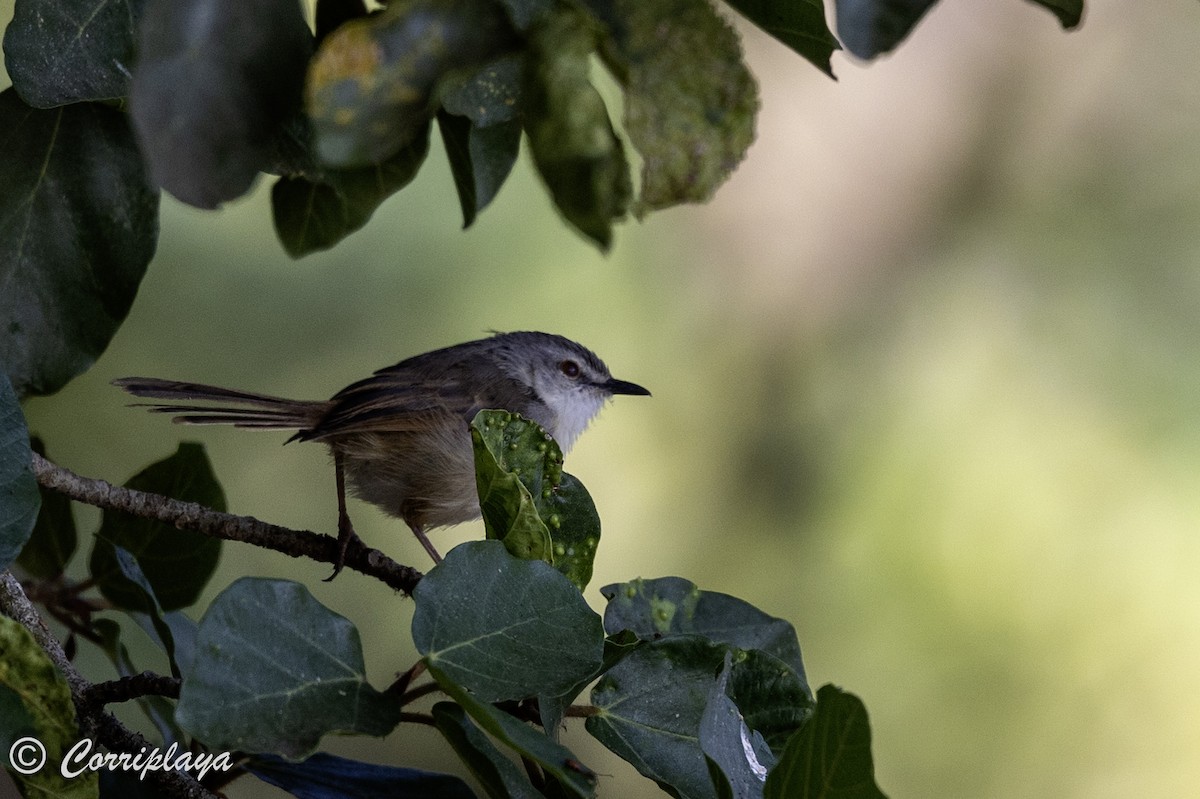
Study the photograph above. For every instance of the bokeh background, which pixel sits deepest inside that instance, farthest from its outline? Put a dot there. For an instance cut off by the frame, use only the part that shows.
(925, 384)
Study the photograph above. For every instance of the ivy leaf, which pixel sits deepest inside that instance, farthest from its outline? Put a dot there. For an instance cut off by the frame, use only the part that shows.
(46, 706)
(70, 51)
(315, 210)
(278, 687)
(54, 538)
(830, 757)
(498, 775)
(574, 147)
(741, 755)
(691, 118)
(371, 86)
(78, 225)
(480, 159)
(177, 563)
(649, 710)
(325, 776)
(555, 759)
(503, 627)
(1069, 12)
(528, 501)
(673, 605)
(800, 24)
(215, 82)
(872, 27)
(19, 498)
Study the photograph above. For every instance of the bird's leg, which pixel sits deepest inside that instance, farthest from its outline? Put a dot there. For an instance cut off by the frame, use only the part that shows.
(420, 534)
(346, 532)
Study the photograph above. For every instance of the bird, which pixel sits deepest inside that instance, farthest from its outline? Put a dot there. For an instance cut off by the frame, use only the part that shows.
(401, 438)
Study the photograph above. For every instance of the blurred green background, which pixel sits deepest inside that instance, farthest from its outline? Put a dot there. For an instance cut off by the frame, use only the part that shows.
(925, 384)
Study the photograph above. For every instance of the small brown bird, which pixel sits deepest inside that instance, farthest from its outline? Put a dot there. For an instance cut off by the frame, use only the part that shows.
(401, 437)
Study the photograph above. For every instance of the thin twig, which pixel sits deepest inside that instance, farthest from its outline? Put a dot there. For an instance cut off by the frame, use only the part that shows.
(133, 686)
(93, 723)
(227, 526)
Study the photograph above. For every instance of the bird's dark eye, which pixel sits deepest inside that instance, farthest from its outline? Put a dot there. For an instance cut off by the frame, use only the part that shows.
(569, 368)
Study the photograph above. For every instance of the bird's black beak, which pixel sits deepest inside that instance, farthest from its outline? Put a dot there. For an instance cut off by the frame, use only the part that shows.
(615, 386)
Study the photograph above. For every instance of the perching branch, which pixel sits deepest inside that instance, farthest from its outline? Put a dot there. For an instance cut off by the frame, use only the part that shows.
(94, 722)
(227, 526)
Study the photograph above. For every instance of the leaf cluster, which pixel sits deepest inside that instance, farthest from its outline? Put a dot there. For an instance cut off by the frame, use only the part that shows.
(703, 693)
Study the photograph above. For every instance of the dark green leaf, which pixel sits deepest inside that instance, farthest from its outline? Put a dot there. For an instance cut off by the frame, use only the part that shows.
(556, 760)
(26, 671)
(528, 501)
(772, 698)
(650, 706)
(690, 100)
(830, 758)
(19, 498)
(214, 83)
(1069, 12)
(70, 51)
(800, 24)
(551, 709)
(315, 211)
(670, 605)
(139, 595)
(78, 225)
(572, 140)
(325, 776)
(183, 634)
(515, 460)
(503, 627)
(177, 563)
(371, 87)
(872, 27)
(159, 709)
(498, 775)
(741, 755)
(491, 95)
(480, 159)
(275, 670)
(54, 539)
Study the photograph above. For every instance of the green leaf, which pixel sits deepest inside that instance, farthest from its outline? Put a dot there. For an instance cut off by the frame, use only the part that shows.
(556, 760)
(574, 146)
(505, 628)
(830, 757)
(275, 670)
(136, 589)
(552, 709)
(70, 51)
(215, 82)
(772, 698)
(78, 225)
(498, 775)
(650, 707)
(872, 27)
(315, 210)
(177, 563)
(800, 24)
(54, 538)
(741, 755)
(672, 605)
(480, 159)
(159, 709)
(528, 501)
(26, 670)
(19, 498)
(371, 87)
(690, 100)
(1069, 12)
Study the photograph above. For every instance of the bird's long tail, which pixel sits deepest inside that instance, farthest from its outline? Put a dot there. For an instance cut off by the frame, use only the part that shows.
(238, 408)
